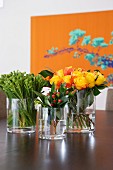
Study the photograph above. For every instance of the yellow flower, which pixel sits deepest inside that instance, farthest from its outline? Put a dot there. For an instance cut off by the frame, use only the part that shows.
(56, 80)
(77, 73)
(99, 79)
(77, 78)
(91, 84)
(68, 80)
(90, 77)
(80, 83)
(60, 73)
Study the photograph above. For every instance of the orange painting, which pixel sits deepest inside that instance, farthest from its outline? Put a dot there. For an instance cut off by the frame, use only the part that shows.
(79, 40)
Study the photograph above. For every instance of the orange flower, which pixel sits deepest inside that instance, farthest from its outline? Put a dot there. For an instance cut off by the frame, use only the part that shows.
(68, 70)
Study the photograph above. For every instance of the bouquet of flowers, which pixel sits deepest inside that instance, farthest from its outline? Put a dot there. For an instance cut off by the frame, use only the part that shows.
(54, 102)
(81, 86)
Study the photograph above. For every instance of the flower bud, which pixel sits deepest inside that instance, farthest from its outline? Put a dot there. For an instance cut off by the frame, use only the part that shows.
(58, 94)
(52, 104)
(59, 101)
(53, 96)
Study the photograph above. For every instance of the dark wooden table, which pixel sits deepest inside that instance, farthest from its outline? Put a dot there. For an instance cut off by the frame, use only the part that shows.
(76, 152)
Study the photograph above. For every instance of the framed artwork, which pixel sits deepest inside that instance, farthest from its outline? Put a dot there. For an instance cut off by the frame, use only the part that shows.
(80, 40)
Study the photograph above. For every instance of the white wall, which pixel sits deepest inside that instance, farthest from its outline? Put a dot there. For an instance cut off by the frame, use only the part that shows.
(1, 3)
(15, 28)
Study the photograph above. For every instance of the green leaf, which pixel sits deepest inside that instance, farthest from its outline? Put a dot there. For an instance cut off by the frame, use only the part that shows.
(101, 87)
(46, 101)
(40, 82)
(62, 88)
(63, 104)
(96, 91)
(91, 99)
(46, 73)
(53, 88)
(40, 95)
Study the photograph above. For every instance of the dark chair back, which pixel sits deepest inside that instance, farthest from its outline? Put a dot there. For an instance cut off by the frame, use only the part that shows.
(109, 99)
(2, 105)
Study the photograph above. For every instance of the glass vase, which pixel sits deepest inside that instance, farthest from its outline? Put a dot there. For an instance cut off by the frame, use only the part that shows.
(51, 123)
(21, 116)
(81, 112)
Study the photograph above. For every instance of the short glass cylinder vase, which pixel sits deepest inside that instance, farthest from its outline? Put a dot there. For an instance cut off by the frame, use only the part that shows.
(81, 112)
(21, 116)
(51, 123)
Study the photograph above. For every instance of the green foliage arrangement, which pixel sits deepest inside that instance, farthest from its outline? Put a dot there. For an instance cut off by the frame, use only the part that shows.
(21, 87)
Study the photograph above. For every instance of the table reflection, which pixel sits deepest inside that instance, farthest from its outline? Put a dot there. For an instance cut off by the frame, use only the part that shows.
(50, 148)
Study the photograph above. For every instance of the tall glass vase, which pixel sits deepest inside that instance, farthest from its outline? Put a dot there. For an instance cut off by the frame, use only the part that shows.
(81, 113)
(21, 116)
(51, 123)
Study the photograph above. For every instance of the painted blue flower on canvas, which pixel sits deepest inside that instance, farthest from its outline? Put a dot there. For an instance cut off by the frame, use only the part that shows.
(78, 45)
